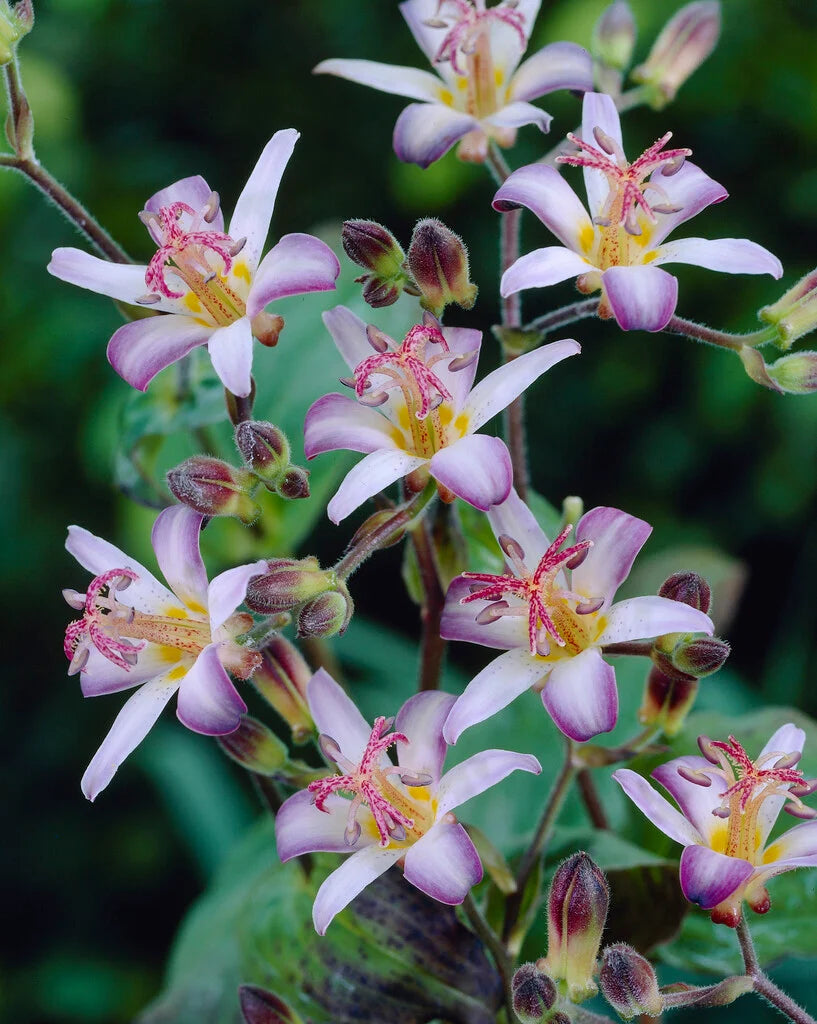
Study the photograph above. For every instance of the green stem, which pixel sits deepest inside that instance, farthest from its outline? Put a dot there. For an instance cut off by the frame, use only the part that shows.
(432, 645)
(722, 339)
(498, 950)
(763, 985)
(561, 317)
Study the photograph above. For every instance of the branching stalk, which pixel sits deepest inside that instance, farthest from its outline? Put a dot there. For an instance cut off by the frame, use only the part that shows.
(763, 985)
(722, 339)
(498, 950)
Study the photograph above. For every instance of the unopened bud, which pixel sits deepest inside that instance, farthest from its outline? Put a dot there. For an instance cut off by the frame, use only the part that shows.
(795, 374)
(438, 261)
(379, 530)
(628, 982)
(327, 615)
(533, 994)
(667, 700)
(294, 484)
(267, 327)
(700, 656)
(683, 45)
(614, 36)
(688, 588)
(281, 680)
(795, 312)
(287, 583)
(261, 1007)
(255, 747)
(375, 248)
(214, 488)
(577, 909)
(15, 22)
(755, 366)
(264, 448)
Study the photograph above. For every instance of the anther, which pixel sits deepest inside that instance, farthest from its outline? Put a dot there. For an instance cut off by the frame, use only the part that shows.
(588, 607)
(211, 208)
(579, 557)
(148, 300)
(352, 832)
(236, 248)
(435, 23)
(377, 338)
(806, 788)
(397, 832)
(604, 140)
(348, 382)
(722, 812)
(466, 359)
(800, 811)
(788, 760)
(673, 166)
(543, 642)
(79, 661)
(708, 750)
(329, 748)
(694, 775)
(412, 778)
(491, 613)
(374, 400)
(512, 548)
(431, 322)
(667, 208)
(74, 599)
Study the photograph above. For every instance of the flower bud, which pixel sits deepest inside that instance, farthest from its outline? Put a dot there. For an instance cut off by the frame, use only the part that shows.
(281, 680)
(264, 448)
(755, 366)
(700, 656)
(795, 374)
(683, 45)
(261, 1007)
(371, 532)
(287, 583)
(15, 22)
(688, 588)
(327, 615)
(214, 488)
(795, 313)
(614, 36)
(533, 994)
(438, 261)
(577, 909)
(375, 248)
(628, 982)
(255, 747)
(667, 700)
(294, 484)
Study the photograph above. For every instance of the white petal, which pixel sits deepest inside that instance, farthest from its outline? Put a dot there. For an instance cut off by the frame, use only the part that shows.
(557, 66)
(301, 828)
(230, 351)
(295, 265)
(581, 696)
(598, 111)
(444, 864)
(477, 468)
(543, 191)
(347, 881)
(98, 556)
(516, 115)
(336, 715)
(478, 773)
(640, 618)
(514, 519)
(641, 298)
(208, 701)
(123, 281)
(421, 720)
(228, 590)
(369, 476)
(728, 255)
(140, 349)
(175, 539)
(658, 810)
(541, 268)
(392, 78)
(617, 538)
(339, 422)
(426, 131)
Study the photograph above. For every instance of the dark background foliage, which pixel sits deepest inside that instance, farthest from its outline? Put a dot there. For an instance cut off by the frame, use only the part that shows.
(129, 95)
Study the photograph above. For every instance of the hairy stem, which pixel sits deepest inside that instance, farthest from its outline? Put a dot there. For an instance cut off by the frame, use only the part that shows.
(432, 645)
(592, 800)
(498, 950)
(763, 985)
(566, 315)
(722, 339)
(641, 648)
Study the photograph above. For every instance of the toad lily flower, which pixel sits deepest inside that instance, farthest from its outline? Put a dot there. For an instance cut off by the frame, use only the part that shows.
(552, 613)
(213, 283)
(482, 92)
(617, 247)
(397, 812)
(135, 632)
(728, 806)
(429, 411)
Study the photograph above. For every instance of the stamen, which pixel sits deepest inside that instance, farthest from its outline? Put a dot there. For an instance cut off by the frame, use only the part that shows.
(98, 625)
(377, 338)
(460, 362)
(468, 23)
(694, 775)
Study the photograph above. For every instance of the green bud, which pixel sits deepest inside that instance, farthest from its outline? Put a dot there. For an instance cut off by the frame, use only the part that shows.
(700, 656)
(15, 22)
(264, 448)
(795, 374)
(214, 488)
(795, 312)
(326, 615)
(294, 484)
(628, 982)
(667, 700)
(685, 42)
(287, 583)
(614, 36)
(255, 747)
(533, 994)
(438, 261)
(756, 368)
(281, 680)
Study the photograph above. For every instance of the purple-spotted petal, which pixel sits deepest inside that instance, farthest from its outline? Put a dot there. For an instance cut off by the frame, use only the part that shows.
(477, 468)
(208, 701)
(690, 190)
(514, 519)
(728, 255)
(400, 81)
(641, 298)
(642, 617)
(98, 556)
(598, 111)
(421, 720)
(295, 265)
(139, 350)
(193, 191)
(444, 864)
(659, 811)
(696, 802)
(175, 540)
(708, 878)
(123, 281)
(617, 538)
(541, 268)
(493, 689)
(425, 131)
(301, 828)
(787, 739)
(253, 211)
(102, 676)
(547, 195)
(518, 114)
(478, 773)
(338, 421)
(459, 621)
(228, 590)
(336, 715)
(501, 387)
(230, 351)
(370, 475)
(351, 878)
(130, 727)
(557, 66)
(581, 696)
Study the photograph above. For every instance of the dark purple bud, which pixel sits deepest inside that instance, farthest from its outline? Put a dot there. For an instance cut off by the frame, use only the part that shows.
(628, 982)
(668, 699)
(287, 583)
(326, 615)
(438, 262)
(264, 448)
(255, 747)
(688, 588)
(214, 488)
(294, 484)
(378, 292)
(372, 247)
(258, 1006)
(533, 994)
(700, 657)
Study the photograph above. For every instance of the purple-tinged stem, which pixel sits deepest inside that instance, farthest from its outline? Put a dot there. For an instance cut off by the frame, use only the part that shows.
(723, 339)
(566, 315)
(592, 800)
(499, 951)
(432, 646)
(763, 985)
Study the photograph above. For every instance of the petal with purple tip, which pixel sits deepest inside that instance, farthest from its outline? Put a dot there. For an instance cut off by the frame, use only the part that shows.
(477, 468)
(425, 131)
(690, 190)
(230, 351)
(123, 281)
(459, 621)
(541, 268)
(428, 38)
(598, 111)
(547, 195)
(557, 66)
(253, 211)
(301, 828)
(480, 772)
(421, 720)
(514, 519)
(641, 298)
(139, 350)
(617, 538)
(493, 689)
(708, 878)
(696, 802)
(581, 696)
(787, 739)
(400, 81)
(193, 191)
(444, 864)
(339, 422)
(370, 475)
(518, 114)
(175, 540)
(659, 811)
(640, 618)
(728, 255)
(130, 727)
(336, 715)
(295, 265)
(228, 590)
(208, 701)
(350, 879)
(98, 556)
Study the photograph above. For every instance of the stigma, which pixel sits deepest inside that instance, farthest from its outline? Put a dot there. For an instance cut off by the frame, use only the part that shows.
(466, 22)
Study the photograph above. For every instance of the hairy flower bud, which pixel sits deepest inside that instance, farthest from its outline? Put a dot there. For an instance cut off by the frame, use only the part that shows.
(281, 680)
(795, 374)
(614, 36)
(628, 982)
(327, 615)
(375, 248)
(795, 312)
(255, 747)
(688, 588)
(294, 484)
(667, 700)
(533, 994)
(15, 22)
(438, 261)
(261, 1007)
(214, 488)
(683, 45)
(701, 656)
(577, 909)
(264, 448)
(287, 583)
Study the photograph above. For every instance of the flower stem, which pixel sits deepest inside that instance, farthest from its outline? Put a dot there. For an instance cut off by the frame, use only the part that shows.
(498, 950)
(641, 648)
(592, 800)
(722, 339)
(541, 837)
(763, 985)
(561, 317)
(432, 645)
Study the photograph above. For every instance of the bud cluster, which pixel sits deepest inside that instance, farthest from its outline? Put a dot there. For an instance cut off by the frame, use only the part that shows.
(322, 600)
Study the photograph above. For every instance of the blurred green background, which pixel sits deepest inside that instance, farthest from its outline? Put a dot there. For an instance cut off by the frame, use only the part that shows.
(129, 95)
